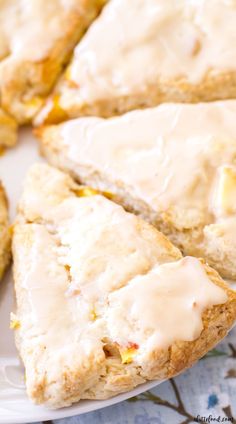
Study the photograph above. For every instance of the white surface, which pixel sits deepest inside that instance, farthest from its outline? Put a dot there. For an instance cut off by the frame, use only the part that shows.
(14, 404)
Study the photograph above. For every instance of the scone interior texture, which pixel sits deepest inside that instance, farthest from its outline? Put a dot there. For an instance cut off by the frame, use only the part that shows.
(5, 239)
(8, 130)
(36, 41)
(144, 53)
(175, 165)
(104, 301)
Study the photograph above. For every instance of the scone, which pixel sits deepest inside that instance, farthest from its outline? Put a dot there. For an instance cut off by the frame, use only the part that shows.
(5, 239)
(140, 53)
(8, 130)
(175, 165)
(36, 40)
(104, 301)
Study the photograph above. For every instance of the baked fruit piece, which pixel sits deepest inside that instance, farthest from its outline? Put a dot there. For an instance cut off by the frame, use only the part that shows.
(104, 301)
(147, 53)
(175, 165)
(8, 130)
(5, 239)
(36, 40)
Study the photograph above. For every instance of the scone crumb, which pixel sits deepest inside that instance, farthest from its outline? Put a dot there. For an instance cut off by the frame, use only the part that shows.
(14, 322)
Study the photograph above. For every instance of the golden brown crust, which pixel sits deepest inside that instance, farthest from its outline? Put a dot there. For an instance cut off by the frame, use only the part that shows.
(8, 130)
(5, 239)
(215, 321)
(25, 83)
(149, 65)
(213, 86)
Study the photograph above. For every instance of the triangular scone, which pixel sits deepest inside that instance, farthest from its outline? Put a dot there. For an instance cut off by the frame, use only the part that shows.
(173, 164)
(104, 301)
(141, 53)
(36, 40)
(5, 239)
(8, 130)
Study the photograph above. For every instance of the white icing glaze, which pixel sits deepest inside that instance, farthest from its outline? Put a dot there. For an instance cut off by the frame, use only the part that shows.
(157, 308)
(164, 305)
(117, 273)
(29, 29)
(53, 319)
(150, 40)
(168, 156)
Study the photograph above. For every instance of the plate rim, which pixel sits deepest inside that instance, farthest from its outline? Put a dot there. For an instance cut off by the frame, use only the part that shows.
(77, 408)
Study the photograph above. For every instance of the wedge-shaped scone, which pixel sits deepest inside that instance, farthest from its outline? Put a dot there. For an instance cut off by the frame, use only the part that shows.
(5, 239)
(8, 130)
(175, 165)
(104, 301)
(141, 53)
(36, 40)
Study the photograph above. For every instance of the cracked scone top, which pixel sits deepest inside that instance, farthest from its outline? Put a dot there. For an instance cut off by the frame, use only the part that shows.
(174, 164)
(104, 301)
(5, 239)
(36, 39)
(148, 52)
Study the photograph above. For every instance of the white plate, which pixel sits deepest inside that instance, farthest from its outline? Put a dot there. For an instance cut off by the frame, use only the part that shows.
(14, 405)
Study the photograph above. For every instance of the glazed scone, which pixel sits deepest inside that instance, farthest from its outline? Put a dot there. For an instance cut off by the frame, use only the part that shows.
(148, 52)
(36, 40)
(8, 130)
(5, 239)
(175, 165)
(104, 301)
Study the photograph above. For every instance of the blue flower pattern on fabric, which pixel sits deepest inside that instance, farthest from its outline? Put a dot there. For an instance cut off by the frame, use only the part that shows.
(212, 401)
